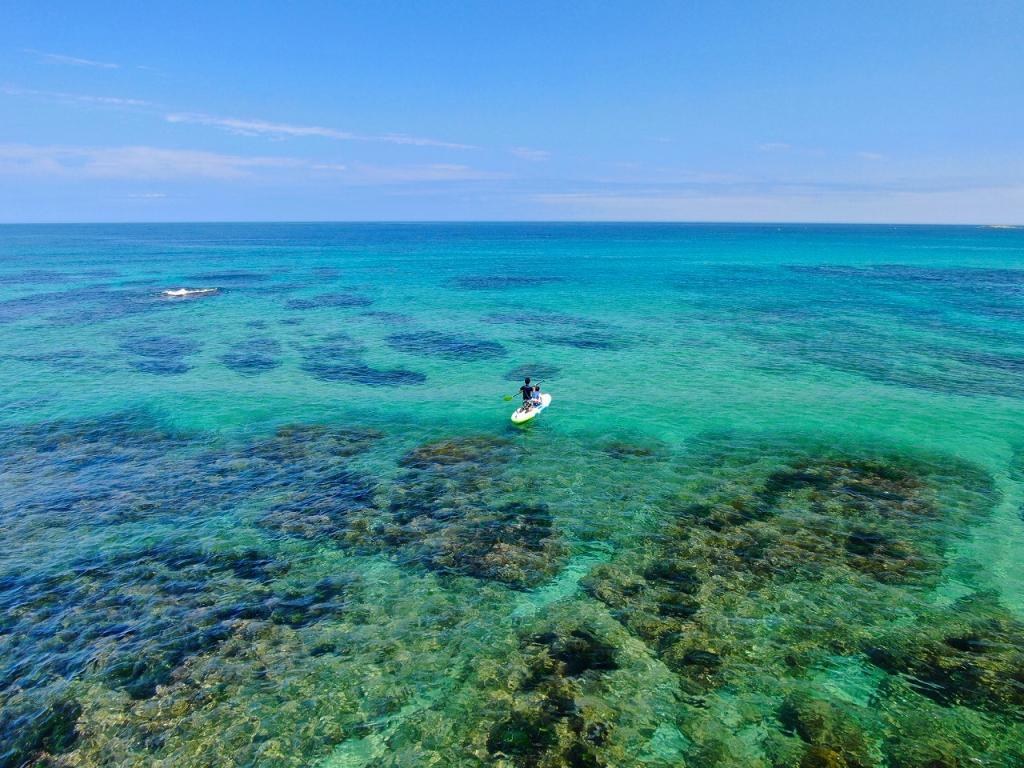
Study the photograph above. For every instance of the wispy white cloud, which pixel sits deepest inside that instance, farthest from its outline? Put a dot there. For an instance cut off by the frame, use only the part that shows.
(426, 172)
(526, 153)
(114, 101)
(74, 61)
(140, 163)
(775, 146)
(144, 163)
(257, 127)
(241, 126)
(977, 201)
(148, 196)
(870, 156)
(254, 127)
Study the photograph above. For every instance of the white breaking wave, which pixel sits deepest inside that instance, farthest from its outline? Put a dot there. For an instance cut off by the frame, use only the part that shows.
(184, 293)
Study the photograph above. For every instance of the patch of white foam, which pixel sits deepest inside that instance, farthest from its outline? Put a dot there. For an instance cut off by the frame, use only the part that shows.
(188, 293)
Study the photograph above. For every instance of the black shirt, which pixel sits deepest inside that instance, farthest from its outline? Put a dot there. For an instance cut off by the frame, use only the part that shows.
(527, 391)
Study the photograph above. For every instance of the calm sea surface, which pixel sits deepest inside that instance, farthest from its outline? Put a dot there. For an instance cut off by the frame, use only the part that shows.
(772, 517)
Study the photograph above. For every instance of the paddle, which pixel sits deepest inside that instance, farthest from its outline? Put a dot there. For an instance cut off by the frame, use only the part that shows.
(509, 397)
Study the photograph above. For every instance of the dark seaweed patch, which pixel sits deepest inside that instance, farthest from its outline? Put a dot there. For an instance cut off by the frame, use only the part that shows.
(245, 363)
(551, 718)
(389, 318)
(952, 276)
(591, 340)
(338, 358)
(443, 516)
(79, 305)
(970, 654)
(71, 360)
(327, 273)
(173, 367)
(160, 355)
(540, 321)
(330, 300)
(502, 282)
(360, 373)
(446, 345)
(537, 372)
(253, 356)
(320, 501)
(132, 618)
(26, 737)
(830, 734)
(143, 632)
(622, 449)
(33, 277)
(578, 651)
(233, 277)
(858, 522)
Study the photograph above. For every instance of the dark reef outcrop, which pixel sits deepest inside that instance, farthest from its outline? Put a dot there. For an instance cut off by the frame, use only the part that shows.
(447, 513)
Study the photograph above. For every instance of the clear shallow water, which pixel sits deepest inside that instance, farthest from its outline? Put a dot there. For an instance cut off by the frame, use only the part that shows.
(772, 517)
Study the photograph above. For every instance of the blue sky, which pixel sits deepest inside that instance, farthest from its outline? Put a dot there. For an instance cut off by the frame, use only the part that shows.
(909, 111)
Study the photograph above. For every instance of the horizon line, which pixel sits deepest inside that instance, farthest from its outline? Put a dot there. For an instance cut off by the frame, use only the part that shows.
(663, 222)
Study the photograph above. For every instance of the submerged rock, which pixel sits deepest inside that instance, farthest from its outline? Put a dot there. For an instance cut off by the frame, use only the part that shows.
(446, 513)
(135, 617)
(554, 716)
(27, 738)
(832, 736)
(316, 492)
(971, 654)
(740, 558)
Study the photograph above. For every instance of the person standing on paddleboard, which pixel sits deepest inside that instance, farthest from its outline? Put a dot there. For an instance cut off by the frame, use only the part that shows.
(527, 391)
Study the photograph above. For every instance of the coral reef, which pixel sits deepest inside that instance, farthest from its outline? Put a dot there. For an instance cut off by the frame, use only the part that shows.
(970, 654)
(553, 717)
(539, 372)
(446, 512)
(446, 345)
(502, 282)
(162, 355)
(330, 300)
(589, 340)
(852, 524)
(338, 357)
(253, 355)
(271, 601)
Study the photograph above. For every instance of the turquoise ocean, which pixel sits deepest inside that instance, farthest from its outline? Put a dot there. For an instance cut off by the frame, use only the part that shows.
(773, 516)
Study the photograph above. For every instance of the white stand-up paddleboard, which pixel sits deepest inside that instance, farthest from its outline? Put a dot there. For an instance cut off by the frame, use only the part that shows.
(521, 416)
